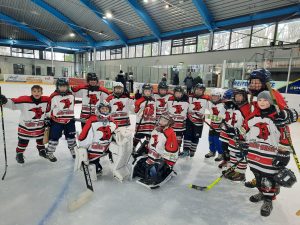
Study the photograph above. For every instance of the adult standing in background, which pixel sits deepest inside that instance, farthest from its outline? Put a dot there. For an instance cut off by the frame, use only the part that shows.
(164, 78)
(189, 81)
(175, 78)
(198, 80)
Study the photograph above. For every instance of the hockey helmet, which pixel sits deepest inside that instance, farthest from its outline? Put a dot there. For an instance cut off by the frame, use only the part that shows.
(242, 92)
(91, 77)
(285, 177)
(62, 82)
(101, 112)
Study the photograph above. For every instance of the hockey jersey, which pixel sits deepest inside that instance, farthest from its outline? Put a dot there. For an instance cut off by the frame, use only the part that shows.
(161, 104)
(31, 123)
(96, 135)
(178, 111)
(218, 112)
(197, 107)
(145, 115)
(120, 109)
(163, 144)
(263, 138)
(90, 98)
(61, 108)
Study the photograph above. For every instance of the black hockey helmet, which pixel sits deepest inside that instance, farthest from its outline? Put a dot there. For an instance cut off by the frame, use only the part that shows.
(62, 82)
(91, 77)
(244, 93)
(163, 85)
(178, 89)
(200, 86)
(146, 86)
(285, 178)
(263, 75)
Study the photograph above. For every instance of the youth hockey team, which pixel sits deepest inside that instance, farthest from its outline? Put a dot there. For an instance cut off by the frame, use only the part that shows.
(241, 132)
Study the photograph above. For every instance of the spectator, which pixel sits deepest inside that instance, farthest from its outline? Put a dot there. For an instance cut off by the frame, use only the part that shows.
(130, 81)
(164, 78)
(175, 78)
(189, 81)
(121, 78)
(198, 80)
(231, 82)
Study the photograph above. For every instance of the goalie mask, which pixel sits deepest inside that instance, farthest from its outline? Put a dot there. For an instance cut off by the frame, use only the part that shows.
(164, 122)
(103, 110)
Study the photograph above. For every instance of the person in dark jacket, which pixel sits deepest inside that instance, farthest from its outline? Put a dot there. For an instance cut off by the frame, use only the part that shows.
(176, 78)
(198, 80)
(189, 81)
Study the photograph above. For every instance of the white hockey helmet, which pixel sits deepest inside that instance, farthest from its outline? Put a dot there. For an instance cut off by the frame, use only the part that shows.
(217, 92)
(99, 112)
(118, 84)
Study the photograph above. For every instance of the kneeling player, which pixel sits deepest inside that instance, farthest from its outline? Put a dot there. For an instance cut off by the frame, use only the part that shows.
(156, 167)
(31, 124)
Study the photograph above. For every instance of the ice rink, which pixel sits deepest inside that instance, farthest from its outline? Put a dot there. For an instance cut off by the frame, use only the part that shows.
(38, 192)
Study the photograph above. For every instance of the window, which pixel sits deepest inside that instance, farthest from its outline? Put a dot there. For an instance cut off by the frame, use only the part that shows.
(177, 46)
(69, 57)
(58, 56)
(89, 56)
(221, 40)
(147, 50)
(47, 55)
(4, 50)
(28, 53)
(166, 47)
(107, 54)
(288, 31)
(98, 55)
(17, 52)
(131, 53)
(203, 43)
(240, 38)
(36, 54)
(190, 44)
(155, 49)
(139, 51)
(19, 69)
(36, 70)
(262, 35)
(102, 55)
(116, 53)
(124, 52)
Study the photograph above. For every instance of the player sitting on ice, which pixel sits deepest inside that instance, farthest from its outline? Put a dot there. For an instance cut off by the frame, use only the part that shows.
(267, 152)
(161, 99)
(91, 94)
(96, 139)
(217, 110)
(60, 111)
(121, 105)
(156, 167)
(31, 123)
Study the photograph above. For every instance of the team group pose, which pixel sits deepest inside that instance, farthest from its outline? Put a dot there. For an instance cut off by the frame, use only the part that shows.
(247, 128)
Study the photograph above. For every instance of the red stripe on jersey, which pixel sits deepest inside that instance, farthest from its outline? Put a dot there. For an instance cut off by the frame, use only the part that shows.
(260, 159)
(31, 133)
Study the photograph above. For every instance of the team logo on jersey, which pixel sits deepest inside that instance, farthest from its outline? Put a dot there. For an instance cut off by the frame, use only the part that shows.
(155, 140)
(215, 111)
(264, 132)
(106, 133)
(197, 106)
(162, 102)
(149, 110)
(67, 103)
(93, 99)
(38, 113)
(178, 109)
(233, 119)
(120, 106)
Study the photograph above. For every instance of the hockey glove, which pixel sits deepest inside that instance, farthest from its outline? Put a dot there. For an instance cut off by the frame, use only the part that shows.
(47, 122)
(3, 100)
(281, 159)
(286, 117)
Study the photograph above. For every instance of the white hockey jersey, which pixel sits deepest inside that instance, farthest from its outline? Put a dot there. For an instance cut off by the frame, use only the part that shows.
(217, 110)
(145, 110)
(90, 98)
(197, 107)
(178, 111)
(61, 108)
(96, 135)
(161, 104)
(120, 109)
(31, 122)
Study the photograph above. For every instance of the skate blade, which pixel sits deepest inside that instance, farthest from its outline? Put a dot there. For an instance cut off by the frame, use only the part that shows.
(82, 199)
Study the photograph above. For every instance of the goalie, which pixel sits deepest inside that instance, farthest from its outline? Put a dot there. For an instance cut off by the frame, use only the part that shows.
(155, 168)
(95, 142)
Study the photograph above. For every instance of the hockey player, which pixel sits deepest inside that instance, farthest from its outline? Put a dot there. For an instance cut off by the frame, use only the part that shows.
(145, 115)
(31, 123)
(177, 107)
(257, 83)
(240, 99)
(156, 167)
(161, 99)
(226, 132)
(198, 103)
(120, 105)
(217, 110)
(268, 149)
(91, 94)
(95, 138)
(60, 111)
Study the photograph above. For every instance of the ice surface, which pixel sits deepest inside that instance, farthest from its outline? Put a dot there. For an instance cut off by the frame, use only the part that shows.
(39, 191)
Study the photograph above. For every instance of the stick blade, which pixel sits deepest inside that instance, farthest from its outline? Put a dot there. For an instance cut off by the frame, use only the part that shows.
(82, 199)
(196, 187)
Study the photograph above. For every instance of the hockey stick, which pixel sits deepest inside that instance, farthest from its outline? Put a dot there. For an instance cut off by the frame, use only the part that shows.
(216, 181)
(85, 196)
(286, 132)
(4, 141)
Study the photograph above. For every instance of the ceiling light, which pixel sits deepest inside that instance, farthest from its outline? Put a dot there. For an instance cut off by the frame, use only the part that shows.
(108, 15)
(145, 1)
(72, 35)
(167, 6)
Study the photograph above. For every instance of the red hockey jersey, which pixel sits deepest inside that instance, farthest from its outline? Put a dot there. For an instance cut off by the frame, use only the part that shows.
(161, 104)
(61, 108)
(178, 111)
(31, 122)
(89, 98)
(197, 107)
(217, 110)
